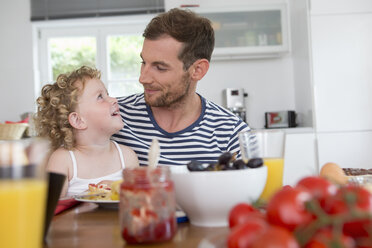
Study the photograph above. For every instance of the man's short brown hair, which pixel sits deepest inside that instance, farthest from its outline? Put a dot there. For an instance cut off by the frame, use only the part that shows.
(195, 32)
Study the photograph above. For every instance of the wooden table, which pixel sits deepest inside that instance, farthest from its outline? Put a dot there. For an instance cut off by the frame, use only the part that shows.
(88, 226)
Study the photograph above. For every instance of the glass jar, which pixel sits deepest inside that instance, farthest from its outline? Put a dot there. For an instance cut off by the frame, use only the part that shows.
(147, 205)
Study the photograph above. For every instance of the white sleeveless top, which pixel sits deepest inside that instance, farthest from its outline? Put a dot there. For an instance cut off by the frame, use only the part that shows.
(78, 185)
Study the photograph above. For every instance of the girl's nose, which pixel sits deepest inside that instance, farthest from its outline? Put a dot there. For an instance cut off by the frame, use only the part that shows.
(113, 100)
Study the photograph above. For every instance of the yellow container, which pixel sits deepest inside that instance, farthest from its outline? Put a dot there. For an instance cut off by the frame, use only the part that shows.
(274, 177)
(22, 210)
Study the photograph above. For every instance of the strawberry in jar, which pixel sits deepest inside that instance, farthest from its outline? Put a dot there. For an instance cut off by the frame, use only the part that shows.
(147, 205)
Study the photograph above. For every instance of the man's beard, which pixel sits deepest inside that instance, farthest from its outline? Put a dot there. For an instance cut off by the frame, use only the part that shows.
(172, 99)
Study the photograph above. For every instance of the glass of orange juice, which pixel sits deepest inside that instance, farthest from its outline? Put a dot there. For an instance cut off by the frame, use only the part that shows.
(268, 145)
(23, 189)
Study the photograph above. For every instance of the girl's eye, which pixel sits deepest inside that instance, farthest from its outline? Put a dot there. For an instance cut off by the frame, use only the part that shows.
(100, 96)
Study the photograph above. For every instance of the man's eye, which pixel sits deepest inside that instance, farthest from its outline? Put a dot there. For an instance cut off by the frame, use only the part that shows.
(161, 68)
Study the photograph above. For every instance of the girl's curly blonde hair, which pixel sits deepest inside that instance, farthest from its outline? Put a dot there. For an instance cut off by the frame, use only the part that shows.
(55, 104)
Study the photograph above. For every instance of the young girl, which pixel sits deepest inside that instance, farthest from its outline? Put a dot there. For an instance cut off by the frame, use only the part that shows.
(79, 117)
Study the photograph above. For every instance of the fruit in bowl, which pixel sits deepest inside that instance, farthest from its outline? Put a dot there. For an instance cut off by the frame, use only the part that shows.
(206, 196)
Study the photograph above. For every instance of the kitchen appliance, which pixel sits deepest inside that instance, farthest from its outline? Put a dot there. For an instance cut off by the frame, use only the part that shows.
(234, 100)
(280, 119)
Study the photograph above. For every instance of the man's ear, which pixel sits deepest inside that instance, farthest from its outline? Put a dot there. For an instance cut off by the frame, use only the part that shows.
(76, 121)
(199, 69)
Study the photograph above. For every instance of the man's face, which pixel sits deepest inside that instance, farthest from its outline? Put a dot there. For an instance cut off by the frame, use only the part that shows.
(165, 82)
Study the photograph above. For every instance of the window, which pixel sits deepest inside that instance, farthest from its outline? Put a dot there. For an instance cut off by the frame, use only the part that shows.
(112, 45)
(124, 64)
(66, 54)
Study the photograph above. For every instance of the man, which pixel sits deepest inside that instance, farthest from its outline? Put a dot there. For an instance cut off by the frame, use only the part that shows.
(175, 55)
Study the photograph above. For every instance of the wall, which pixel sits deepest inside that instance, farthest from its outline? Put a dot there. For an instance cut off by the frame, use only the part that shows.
(268, 82)
(16, 65)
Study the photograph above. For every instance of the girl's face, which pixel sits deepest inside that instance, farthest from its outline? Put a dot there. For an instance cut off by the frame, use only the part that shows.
(99, 111)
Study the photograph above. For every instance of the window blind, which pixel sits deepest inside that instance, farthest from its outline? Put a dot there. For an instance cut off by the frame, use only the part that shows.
(63, 9)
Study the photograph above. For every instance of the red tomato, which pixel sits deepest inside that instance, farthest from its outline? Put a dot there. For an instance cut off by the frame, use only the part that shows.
(241, 212)
(275, 237)
(326, 238)
(242, 236)
(365, 242)
(339, 204)
(320, 188)
(286, 208)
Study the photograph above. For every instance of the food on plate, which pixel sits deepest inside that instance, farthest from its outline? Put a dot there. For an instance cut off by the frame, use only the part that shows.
(311, 214)
(226, 161)
(357, 171)
(103, 191)
(99, 188)
(115, 190)
(345, 176)
(334, 173)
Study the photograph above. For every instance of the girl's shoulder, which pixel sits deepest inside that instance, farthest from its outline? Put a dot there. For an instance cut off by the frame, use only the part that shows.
(60, 153)
(59, 161)
(130, 157)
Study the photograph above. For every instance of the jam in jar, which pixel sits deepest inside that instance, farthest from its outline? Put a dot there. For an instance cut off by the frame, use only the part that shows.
(147, 205)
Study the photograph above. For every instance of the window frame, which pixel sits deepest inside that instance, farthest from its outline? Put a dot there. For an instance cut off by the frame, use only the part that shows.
(100, 28)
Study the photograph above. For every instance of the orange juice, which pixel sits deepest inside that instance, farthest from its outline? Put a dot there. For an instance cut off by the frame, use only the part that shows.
(22, 211)
(274, 177)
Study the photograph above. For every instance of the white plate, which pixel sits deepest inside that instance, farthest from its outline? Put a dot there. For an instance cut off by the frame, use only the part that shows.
(102, 203)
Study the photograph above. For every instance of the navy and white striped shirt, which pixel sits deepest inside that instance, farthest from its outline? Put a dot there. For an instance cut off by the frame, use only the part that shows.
(215, 131)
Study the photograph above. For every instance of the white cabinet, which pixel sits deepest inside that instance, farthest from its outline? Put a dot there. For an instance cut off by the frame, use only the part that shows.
(320, 7)
(248, 30)
(254, 31)
(342, 65)
(349, 150)
(337, 55)
(299, 157)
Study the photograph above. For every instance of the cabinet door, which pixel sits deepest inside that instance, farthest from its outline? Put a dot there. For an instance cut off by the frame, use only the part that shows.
(348, 150)
(299, 157)
(249, 30)
(342, 65)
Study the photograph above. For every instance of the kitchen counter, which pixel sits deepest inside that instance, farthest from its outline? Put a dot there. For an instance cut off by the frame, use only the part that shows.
(88, 226)
(291, 130)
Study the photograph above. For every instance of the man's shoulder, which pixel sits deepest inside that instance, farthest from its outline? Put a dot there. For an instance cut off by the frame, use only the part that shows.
(220, 117)
(214, 109)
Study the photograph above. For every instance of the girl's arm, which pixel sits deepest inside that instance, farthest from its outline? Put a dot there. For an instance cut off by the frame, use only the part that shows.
(59, 162)
(130, 157)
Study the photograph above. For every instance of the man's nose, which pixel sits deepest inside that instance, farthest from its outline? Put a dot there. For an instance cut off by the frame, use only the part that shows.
(144, 77)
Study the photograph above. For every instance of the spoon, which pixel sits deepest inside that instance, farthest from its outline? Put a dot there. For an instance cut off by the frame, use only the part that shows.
(154, 153)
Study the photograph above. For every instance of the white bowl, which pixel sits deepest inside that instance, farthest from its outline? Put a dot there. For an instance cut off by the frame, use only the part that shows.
(207, 197)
